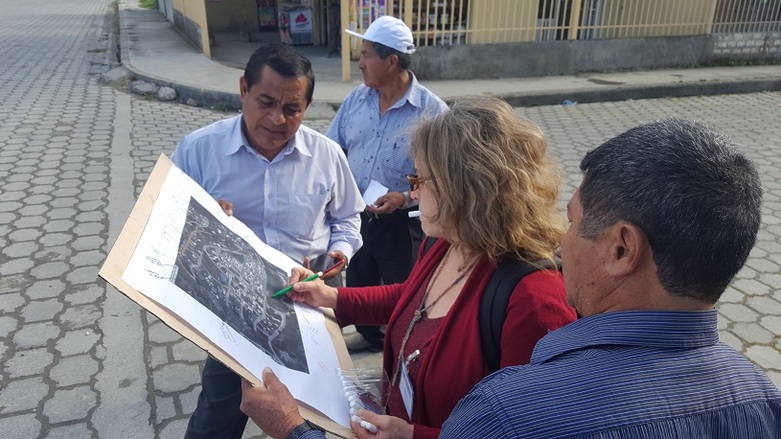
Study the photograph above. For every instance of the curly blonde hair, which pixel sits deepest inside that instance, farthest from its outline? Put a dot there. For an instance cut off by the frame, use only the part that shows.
(492, 178)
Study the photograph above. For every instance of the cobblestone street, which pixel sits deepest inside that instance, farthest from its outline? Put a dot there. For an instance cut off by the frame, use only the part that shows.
(79, 360)
(750, 309)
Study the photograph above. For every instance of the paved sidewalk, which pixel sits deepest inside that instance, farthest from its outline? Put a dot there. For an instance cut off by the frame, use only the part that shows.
(153, 50)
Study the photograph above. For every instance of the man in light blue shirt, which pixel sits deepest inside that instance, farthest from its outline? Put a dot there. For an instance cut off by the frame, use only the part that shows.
(303, 202)
(373, 126)
(291, 185)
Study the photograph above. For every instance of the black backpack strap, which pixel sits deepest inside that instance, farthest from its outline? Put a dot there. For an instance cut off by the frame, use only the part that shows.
(493, 305)
(428, 242)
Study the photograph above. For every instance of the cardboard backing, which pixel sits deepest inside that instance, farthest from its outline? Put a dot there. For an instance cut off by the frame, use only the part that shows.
(119, 256)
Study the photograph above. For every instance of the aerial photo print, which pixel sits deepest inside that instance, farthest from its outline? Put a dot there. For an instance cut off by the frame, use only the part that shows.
(226, 275)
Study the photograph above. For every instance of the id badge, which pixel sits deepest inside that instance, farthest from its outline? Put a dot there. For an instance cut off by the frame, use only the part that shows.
(405, 387)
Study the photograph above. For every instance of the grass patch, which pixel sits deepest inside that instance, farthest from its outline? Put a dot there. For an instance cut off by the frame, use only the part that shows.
(148, 4)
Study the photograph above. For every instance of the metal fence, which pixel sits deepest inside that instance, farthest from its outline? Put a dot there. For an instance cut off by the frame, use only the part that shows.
(450, 22)
(747, 16)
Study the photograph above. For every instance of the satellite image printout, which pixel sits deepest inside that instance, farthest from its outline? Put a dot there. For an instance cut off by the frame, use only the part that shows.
(222, 272)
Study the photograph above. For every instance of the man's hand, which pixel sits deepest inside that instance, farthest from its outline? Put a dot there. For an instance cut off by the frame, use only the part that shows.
(387, 426)
(387, 203)
(227, 207)
(337, 256)
(270, 405)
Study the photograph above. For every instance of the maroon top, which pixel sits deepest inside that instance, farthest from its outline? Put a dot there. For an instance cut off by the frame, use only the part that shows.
(419, 340)
(452, 362)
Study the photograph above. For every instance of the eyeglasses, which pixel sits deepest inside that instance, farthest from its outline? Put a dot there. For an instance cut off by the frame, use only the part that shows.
(415, 181)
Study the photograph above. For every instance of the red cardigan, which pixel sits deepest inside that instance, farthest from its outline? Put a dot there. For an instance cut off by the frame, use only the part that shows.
(454, 362)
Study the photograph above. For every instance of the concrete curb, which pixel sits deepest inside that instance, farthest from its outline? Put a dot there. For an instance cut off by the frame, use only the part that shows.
(231, 101)
(622, 93)
(202, 96)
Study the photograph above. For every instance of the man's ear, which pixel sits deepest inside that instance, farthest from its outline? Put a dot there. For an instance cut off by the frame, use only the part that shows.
(243, 90)
(628, 248)
(393, 61)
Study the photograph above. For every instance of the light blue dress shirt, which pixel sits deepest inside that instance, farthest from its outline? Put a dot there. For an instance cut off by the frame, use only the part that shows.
(303, 203)
(378, 147)
(634, 374)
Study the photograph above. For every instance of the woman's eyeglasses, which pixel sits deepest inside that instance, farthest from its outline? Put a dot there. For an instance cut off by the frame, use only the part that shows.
(415, 181)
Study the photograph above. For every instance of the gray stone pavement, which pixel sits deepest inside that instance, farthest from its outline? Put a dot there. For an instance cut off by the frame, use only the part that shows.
(79, 360)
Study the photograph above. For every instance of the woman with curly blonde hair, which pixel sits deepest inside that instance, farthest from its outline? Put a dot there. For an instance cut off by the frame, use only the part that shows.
(487, 190)
(493, 181)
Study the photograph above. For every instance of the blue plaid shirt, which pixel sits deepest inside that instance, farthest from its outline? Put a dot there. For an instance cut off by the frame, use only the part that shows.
(637, 374)
(378, 147)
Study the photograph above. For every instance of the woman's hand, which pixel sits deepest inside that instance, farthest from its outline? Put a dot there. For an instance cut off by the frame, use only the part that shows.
(270, 405)
(387, 426)
(314, 293)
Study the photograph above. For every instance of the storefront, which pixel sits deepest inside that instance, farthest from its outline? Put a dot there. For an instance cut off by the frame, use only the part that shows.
(267, 15)
(301, 22)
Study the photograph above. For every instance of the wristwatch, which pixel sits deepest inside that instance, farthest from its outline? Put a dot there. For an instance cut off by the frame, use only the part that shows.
(406, 200)
(303, 428)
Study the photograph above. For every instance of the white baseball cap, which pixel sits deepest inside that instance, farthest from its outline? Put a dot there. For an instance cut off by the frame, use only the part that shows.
(389, 31)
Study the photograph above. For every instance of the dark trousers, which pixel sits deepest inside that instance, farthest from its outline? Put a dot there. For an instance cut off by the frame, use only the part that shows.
(390, 249)
(217, 414)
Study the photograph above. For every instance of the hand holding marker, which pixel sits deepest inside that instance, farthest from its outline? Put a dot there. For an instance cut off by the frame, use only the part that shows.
(317, 275)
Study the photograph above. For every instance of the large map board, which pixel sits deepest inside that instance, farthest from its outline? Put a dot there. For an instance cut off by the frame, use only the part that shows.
(209, 278)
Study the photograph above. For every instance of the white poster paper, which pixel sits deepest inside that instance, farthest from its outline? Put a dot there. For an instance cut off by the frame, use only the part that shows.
(214, 273)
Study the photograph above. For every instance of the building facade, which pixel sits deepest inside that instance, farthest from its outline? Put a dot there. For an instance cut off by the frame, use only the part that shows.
(465, 39)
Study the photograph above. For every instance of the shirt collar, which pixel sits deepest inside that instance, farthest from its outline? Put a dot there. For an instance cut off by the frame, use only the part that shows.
(663, 329)
(238, 140)
(412, 94)
(299, 143)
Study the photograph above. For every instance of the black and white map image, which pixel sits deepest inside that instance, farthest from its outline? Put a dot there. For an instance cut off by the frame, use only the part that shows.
(226, 275)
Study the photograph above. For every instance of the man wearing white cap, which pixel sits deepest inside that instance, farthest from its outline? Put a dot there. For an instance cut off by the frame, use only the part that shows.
(373, 126)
